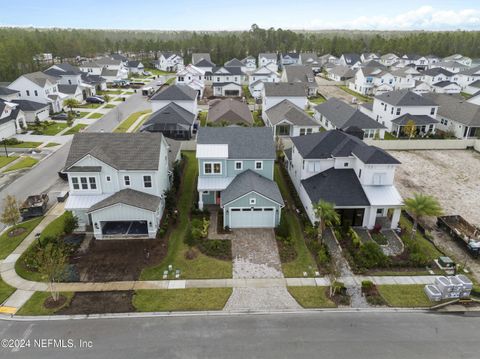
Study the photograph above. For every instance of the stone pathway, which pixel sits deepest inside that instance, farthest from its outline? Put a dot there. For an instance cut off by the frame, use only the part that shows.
(395, 246)
(212, 229)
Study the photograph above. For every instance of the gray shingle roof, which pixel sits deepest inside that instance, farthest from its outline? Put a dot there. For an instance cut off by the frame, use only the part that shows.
(268, 55)
(232, 70)
(123, 151)
(68, 89)
(40, 78)
(286, 110)
(420, 120)
(7, 91)
(171, 114)
(444, 84)
(196, 57)
(437, 71)
(299, 73)
(286, 89)
(338, 186)
(336, 143)
(129, 197)
(351, 59)
(243, 142)
(175, 93)
(455, 108)
(343, 71)
(204, 63)
(107, 72)
(343, 116)
(27, 105)
(249, 181)
(234, 63)
(229, 110)
(405, 98)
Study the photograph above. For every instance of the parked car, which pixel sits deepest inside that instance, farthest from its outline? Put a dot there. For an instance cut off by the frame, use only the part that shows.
(146, 73)
(60, 116)
(121, 83)
(94, 99)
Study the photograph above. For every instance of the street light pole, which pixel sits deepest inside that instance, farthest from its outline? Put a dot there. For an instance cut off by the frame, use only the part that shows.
(5, 146)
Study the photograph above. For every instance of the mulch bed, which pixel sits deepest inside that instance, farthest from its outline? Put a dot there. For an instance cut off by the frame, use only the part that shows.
(118, 260)
(17, 231)
(372, 296)
(287, 252)
(52, 304)
(340, 298)
(100, 302)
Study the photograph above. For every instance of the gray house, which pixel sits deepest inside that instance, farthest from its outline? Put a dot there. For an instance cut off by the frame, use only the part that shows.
(236, 173)
(172, 121)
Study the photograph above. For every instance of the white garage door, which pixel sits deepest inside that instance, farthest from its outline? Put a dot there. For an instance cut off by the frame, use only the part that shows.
(252, 218)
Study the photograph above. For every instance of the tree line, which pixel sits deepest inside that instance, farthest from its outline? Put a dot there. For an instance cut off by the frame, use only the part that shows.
(18, 46)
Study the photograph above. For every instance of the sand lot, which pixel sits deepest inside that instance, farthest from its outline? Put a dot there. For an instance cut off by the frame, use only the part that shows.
(450, 175)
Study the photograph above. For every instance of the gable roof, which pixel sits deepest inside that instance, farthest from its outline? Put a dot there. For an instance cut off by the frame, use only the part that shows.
(308, 58)
(133, 63)
(196, 57)
(204, 63)
(445, 84)
(342, 71)
(268, 55)
(129, 197)
(27, 105)
(405, 98)
(232, 70)
(108, 72)
(234, 63)
(5, 91)
(243, 142)
(336, 143)
(175, 93)
(437, 71)
(64, 69)
(299, 73)
(351, 59)
(343, 116)
(119, 57)
(168, 117)
(40, 78)
(419, 120)
(286, 110)
(287, 89)
(338, 186)
(68, 89)
(123, 151)
(250, 181)
(456, 108)
(108, 61)
(230, 110)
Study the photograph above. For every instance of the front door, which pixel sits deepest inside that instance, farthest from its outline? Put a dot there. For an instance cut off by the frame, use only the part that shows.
(217, 197)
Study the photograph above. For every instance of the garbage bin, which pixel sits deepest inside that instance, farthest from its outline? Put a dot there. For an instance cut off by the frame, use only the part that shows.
(123, 99)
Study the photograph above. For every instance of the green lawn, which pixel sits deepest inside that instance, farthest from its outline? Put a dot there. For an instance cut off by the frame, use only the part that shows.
(202, 266)
(48, 129)
(170, 81)
(8, 244)
(25, 162)
(26, 144)
(96, 115)
(5, 291)
(83, 114)
(202, 117)
(166, 300)
(6, 160)
(109, 105)
(356, 94)
(465, 95)
(425, 246)
(75, 129)
(317, 99)
(52, 144)
(157, 72)
(109, 92)
(311, 297)
(34, 306)
(137, 127)
(125, 125)
(90, 105)
(389, 136)
(304, 261)
(404, 295)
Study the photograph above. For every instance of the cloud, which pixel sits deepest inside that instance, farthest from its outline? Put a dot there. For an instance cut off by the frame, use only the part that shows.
(423, 18)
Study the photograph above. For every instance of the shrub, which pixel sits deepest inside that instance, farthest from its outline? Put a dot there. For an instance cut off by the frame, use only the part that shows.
(323, 256)
(367, 285)
(370, 255)
(354, 237)
(310, 231)
(189, 238)
(70, 222)
(216, 248)
(282, 229)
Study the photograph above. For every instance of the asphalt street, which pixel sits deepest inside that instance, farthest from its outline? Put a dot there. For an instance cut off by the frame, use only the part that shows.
(311, 335)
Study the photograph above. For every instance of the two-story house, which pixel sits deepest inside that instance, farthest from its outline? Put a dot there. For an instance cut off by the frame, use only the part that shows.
(388, 59)
(339, 168)
(350, 60)
(275, 92)
(464, 60)
(12, 118)
(258, 77)
(417, 61)
(405, 77)
(395, 109)
(371, 81)
(236, 63)
(300, 74)
(227, 81)
(236, 166)
(198, 56)
(192, 76)
(269, 60)
(117, 183)
(250, 63)
(311, 60)
(289, 58)
(70, 81)
(183, 95)
(169, 61)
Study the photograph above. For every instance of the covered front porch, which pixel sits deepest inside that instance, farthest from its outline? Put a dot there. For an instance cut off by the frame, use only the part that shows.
(210, 189)
(423, 126)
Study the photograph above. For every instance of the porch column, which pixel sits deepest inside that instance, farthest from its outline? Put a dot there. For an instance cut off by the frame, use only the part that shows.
(370, 217)
(200, 200)
(395, 218)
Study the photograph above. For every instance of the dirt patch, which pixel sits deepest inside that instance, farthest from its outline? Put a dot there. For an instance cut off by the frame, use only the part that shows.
(117, 260)
(16, 232)
(100, 302)
(52, 304)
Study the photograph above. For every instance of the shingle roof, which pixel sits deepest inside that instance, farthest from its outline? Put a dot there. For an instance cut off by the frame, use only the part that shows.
(204, 63)
(129, 197)
(123, 151)
(108, 61)
(456, 109)
(338, 186)
(342, 71)
(234, 63)
(249, 181)
(405, 98)
(62, 70)
(343, 116)
(107, 72)
(175, 93)
(336, 143)
(437, 71)
(419, 120)
(40, 78)
(268, 55)
(351, 59)
(196, 57)
(7, 91)
(286, 110)
(168, 117)
(445, 84)
(133, 63)
(27, 105)
(286, 89)
(308, 57)
(243, 142)
(232, 70)
(229, 110)
(68, 89)
(299, 73)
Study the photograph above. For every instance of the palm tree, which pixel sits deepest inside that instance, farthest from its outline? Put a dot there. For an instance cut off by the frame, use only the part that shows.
(106, 98)
(327, 217)
(422, 206)
(71, 103)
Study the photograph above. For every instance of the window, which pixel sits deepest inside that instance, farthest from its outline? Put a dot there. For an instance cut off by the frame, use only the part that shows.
(258, 165)
(181, 78)
(126, 180)
(238, 165)
(28, 93)
(309, 131)
(69, 82)
(75, 183)
(253, 201)
(385, 108)
(302, 132)
(360, 173)
(432, 111)
(108, 178)
(391, 111)
(345, 164)
(36, 92)
(212, 168)
(83, 182)
(207, 168)
(92, 182)
(398, 111)
(147, 181)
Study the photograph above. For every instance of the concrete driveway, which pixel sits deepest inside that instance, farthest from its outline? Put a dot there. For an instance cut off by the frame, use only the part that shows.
(329, 89)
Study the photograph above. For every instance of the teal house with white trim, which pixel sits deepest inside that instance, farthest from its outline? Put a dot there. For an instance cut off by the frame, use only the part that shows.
(236, 166)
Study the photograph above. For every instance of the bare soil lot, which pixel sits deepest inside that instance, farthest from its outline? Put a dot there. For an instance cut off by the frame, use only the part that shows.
(452, 176)
(118, 260)
(100, 302)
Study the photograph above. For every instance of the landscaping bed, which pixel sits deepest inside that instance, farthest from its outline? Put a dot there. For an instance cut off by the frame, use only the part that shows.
(312, 297)
(36, 305)
(371, 293)
(99, 302)
(11, 238)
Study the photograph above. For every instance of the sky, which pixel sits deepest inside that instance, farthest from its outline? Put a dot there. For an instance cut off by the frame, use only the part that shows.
(240, 15)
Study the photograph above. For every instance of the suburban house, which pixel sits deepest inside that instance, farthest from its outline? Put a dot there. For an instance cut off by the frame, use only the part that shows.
(300, 74)
(117, 183)
(135, 67)
(206, 66)
(197, 57)
(118, 56)
(11, 119)
(274, 93)
(464, 60)
(287, 119)
(182, 95)
(414, 60)
(106, 67)
(335, 114)
(437, 74)
(8, 94)
(269, 60)
(327, 59)
(371, 81)
(250, 63)
(446, 87)
(33, 111)
(229, 111)
(452, 66)
(350, 60)
(369, 56)
(340, 73)
(236, 167)
(397, 108)
(227, 81)
(193, 77)
(236, 63)
(388, 59)
(405, 77)
(468, 77)
(97, 82)
(69, 75)
(71, 91)
(289, 58)
(172, 120)
(339, 168)
(456, 116)
(311, 60)
(258, 77)
(169, 61)
(39, 87)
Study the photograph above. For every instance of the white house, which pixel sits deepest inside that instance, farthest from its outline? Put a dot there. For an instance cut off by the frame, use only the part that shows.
(183, 95)
(289, 58)
(258, 77)
(358, 179)
(438, 74)
(193, 77)
(269, 60)
(236, 63)
(198, 56)
(135, 67)
(340, 73)
(8, 94)
(327, 59)
(405, 77)
(12, 119)
(467, 78)
(371, 80)
(417, 61)
(388, 59)
(452, 66)
(117, 183)
(464, 60)
(250, 63)
(350, 60)
(300, 74)
(274, 93)
(169, 61)
(446, 87)
(106, 67)
(33, 111)
(72, 76)
(369, 56)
